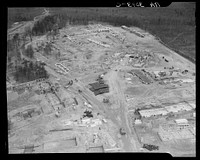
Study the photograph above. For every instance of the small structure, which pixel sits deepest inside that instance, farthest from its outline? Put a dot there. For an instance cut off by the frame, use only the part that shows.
(169, 132)
(99, 87)
(138, 121)
(187, 80)
(104, 120)
(153, 112)
(96, 149)
(29, 149)
(86, 121)
(88, 105)
(105, 100)
(181, 122)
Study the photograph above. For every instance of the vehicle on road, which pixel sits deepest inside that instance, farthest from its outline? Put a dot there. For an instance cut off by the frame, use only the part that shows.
(122, 131)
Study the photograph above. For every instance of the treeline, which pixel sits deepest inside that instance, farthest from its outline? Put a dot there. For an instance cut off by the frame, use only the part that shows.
(22, 14)
(45, 25)
(29, 51)
(58, 21)
(13, 48)
(29, 71)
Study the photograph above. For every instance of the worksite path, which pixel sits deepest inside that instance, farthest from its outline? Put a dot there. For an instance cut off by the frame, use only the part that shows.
(123, 114)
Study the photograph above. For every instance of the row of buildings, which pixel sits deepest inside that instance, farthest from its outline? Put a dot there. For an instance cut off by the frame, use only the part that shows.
(179, 130)
(62, 68)
(133, 31)
(98, 43)
(146, 113)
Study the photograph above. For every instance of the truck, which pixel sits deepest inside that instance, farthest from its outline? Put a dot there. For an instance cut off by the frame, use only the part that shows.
(150, 147)
(122, 131)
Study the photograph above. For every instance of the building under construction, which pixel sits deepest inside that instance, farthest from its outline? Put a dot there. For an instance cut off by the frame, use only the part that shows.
(99, 88)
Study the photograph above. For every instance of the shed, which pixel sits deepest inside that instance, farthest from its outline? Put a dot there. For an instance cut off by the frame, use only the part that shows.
(138, 121)
(181, 121)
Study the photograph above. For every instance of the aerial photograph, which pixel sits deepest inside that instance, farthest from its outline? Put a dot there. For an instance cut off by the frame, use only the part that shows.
(102, 79)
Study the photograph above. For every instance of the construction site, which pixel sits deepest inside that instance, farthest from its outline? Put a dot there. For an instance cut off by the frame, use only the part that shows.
(108, 89)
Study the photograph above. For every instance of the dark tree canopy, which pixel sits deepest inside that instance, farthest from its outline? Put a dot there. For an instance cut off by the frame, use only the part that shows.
(29, 51)
(29, 71)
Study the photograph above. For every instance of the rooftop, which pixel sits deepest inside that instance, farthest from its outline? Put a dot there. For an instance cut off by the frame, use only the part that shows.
(181, 121)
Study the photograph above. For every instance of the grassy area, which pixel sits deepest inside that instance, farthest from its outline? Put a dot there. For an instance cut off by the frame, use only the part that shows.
(174, 25)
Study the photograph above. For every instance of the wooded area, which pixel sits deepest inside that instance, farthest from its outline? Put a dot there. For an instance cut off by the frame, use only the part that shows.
(29, 71)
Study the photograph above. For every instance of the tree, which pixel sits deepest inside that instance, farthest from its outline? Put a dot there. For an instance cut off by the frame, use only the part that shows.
(29, 51)
(24, 38)
(8, 59)
(47, 49)
(9, 126)
(48, 35)
(28, 31)
(18, 55)
(10, 45)
(16, 39)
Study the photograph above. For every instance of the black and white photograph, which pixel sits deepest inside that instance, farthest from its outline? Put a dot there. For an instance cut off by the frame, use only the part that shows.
(118, 79)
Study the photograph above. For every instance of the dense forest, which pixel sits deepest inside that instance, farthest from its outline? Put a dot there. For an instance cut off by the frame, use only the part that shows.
(174, 25)
(22, 14)
(55, 22)
(29, 71)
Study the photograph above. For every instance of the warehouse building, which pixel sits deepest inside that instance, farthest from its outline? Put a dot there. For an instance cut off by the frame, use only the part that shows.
(182, 122)
(169, 132)
(99, 88)
(164, 111)
(97, 85)
(153, 112)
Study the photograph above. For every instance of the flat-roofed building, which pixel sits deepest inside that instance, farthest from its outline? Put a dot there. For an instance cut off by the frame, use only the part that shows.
(169, 132)
(138, 121)
(187, 80)
(153, 112)
(181, 121)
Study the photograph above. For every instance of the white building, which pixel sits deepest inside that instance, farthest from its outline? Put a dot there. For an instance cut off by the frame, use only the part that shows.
(153, 112)
(187, 80)
(86, 121)
(138, 121)
(181, 121)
